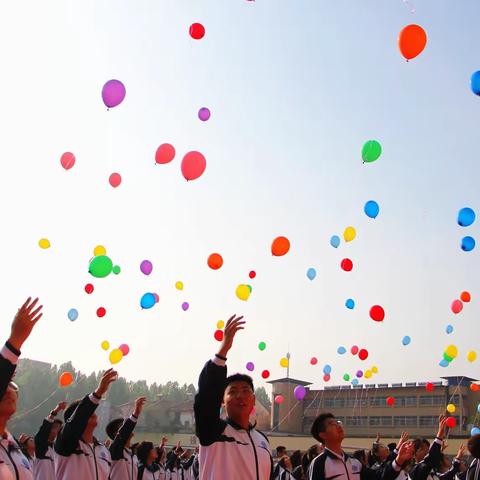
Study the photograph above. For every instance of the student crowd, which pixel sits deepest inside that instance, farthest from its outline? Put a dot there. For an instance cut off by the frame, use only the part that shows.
(230, 448)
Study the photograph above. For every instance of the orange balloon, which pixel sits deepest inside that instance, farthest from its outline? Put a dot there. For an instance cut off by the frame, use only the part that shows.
(280, 246)
(215, 261)
(411, 41)
(465, 297)
(65, 379)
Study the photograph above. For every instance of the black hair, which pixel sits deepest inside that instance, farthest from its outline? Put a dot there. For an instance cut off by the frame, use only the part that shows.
(143, 451)
(360, 456)
(113, 427)
(392, 447)
(307, 458)
(281, 449)
(418, 442)
(70, 410)
(239, 377)
(296, 458)
(282, 462)
(473, 446)
(319, 425)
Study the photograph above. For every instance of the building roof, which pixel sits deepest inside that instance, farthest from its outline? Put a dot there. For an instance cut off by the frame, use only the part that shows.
(290, 380)
(462, 381)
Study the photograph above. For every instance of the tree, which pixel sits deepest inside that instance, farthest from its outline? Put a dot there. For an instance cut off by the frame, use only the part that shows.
(263, 397)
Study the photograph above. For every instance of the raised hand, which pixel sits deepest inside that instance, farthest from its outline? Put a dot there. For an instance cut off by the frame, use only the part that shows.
(461, 452)
(24, 321)
(139, 403)
(164, 440)
(377, 438)
(442, 426)
(444, 445)
(405, 453)
(60, 406)
(108, 378)
(234, 324)
(402, 440)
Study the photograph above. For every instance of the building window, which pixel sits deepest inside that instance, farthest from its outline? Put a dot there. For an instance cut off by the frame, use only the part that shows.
(378, 401)
(380, 421)
(356, 402)
(406, 401)
(406, 421)
(315, 403)
(357, 421)
(432, 400)
(334, 402)
(428, 421)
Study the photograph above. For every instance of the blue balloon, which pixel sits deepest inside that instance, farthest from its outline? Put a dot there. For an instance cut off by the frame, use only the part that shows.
(475, 83)
(355, 381)
(341, 350)
(468, 244)
(449, 329)
(466, 216)
(474, 431)
(371, 209)
(406, 340)
(350, 304)
(327, 369)
(147, 300)
(335, 241)
(443, 363)
(72, 314)
(311, 273)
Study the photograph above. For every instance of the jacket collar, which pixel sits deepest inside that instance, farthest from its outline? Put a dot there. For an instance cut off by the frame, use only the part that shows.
(236, 426)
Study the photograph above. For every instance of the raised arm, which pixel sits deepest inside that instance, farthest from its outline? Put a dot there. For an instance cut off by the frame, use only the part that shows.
(455, 468)
(391, 469)
(41, 438)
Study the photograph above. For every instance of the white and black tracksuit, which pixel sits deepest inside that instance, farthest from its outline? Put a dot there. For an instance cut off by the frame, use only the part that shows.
(124, 462)
(472, 472)
(227, 451)
(75, 459)
(425, 469)
(152, 472)
(44, 468)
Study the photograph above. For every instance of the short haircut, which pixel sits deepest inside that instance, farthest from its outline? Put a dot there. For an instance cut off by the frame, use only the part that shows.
(418, 442)
(474, 446)
(392, 446)
(143, 449)
(71, 409)
(239, 377)
(360, 455)
(319, 425)
(113, 427)
(281, 449)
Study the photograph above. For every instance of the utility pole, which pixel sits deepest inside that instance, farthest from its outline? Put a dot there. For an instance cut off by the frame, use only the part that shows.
(288, 366)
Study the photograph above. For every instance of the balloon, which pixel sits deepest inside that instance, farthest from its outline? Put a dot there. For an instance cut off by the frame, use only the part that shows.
(124, 348)
(72, 314)
(346, 377)
(193, 165)
(457, 306)
(242, 292)
(411, 41)
(429, 387)
(327, 369)
(115, 179)
(374, 370)
(406, 340)
(65, 379)
(335, 241)
(105, 345)
(447, 358)
(165, 153)
(284, 362)
(67, 160)
(475, 82)
(262, 346)
(215, 261)
(359, 374)
(371, 209)
(220, 324)
(341, 350)
(218, 335)
(474, 431)
(101, 312)
(100, 266)
(147, 301)
(179, 285)
(355, 382)
(377, 313)
(115, 356)
(89, 288)
(279, 399)
(451, 422)
(44, 243)
(185, 306)
(99, 250)
(346, 265)
(349, 234)
(449, 329)
(250, 288)
(468, 244)
(313, 361)
(311, 273)
(471, 356)
(363, 354)
(280, 246)
(350, 304)
(465, 297)
(354, 350)
(157, 298)
(300, 391)
(116, 269)
(204, 114)
(146, 267)
(197, 31)
(250, 367)
(367, 374)
(371, 151)
(474, 387)
(326, 377)
(390, 401)
(466, 216)
(113, 93)
(451, 351)
(444, 363)
(252, 274)
(451, 408)
(265, 374)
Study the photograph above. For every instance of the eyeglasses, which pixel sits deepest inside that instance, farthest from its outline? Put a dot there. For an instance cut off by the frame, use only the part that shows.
(333, 422)
(13, 386)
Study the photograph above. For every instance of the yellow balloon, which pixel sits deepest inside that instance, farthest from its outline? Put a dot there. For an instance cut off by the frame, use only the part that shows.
(367, 374)
(451, 408)
(99, 250)
(243, 292)
(179, 285)
(374, 369)
(471, 356)
(451, 351)
(349, 234)
(284, 362)
(44, 243)
(115, 355)
(220, 324)
(105, 345)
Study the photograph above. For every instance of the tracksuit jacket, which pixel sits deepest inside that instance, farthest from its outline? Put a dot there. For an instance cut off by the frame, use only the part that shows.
(424, 469)
(124, 462)
(227, 451)
(472, 472)
(152, 472)
(44, 468)
(76, 459)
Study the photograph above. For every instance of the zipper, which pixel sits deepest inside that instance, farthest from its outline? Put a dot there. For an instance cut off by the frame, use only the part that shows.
(346, 469)
(17, 476)
(94, 459)
(255, 453)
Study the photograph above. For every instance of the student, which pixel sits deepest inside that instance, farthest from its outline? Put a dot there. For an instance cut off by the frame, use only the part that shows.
(27, 445)
(280, 452)
(285, 465)
(13, 463)
(448, 470)
(148, 469)
(229, 449)
(44, 468)
(333, 462)
(120, 431)
(473, 471)
(78, 453)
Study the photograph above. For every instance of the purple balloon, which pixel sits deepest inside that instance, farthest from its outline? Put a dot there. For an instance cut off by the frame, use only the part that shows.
(185, 306)
(300, 392)
(113, 93)
(359, 374)
(146, 267)
(204, 114)
(250, 366)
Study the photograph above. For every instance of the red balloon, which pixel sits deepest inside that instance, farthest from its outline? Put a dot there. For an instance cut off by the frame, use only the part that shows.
(197, 31)
(193, 165)
(354, 350)
(390, 401)
(65, 379)
(411, 41)
(265, 374)
(67, 160)
(89, 288)
(326, 377)
(429, 387)
(474, 387)
(157, 298)
(218, 335)
(346, 265)
(215, 261)
(377, 313)
(280, 246)
(363, 354)
(252, 274)
(314, 360)
(451, 422)
(457, 306)
(465, 297)
(165, 153)
(124, 348)
(115, 180)
(101, 312)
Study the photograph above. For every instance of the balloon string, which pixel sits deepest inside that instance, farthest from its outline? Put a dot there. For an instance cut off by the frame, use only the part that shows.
(36, 407)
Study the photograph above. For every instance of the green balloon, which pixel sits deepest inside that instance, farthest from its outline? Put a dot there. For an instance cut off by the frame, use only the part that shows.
(262, 346)
(346, 377)
(100, 266)
(116, 269)
(371, 151)
(250, 288)
(447, 358)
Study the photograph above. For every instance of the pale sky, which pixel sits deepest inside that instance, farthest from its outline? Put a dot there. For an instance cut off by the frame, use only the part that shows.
(295, 88)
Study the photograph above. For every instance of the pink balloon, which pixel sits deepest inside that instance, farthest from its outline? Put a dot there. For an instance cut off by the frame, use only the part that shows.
(146, 267)
(279, 399)
(165, 153)
(124, 348)
(115, 180)
(354, 350)
(193, 165)
(113, 93)
(67, 160)
(157, 298)
(457, 306)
